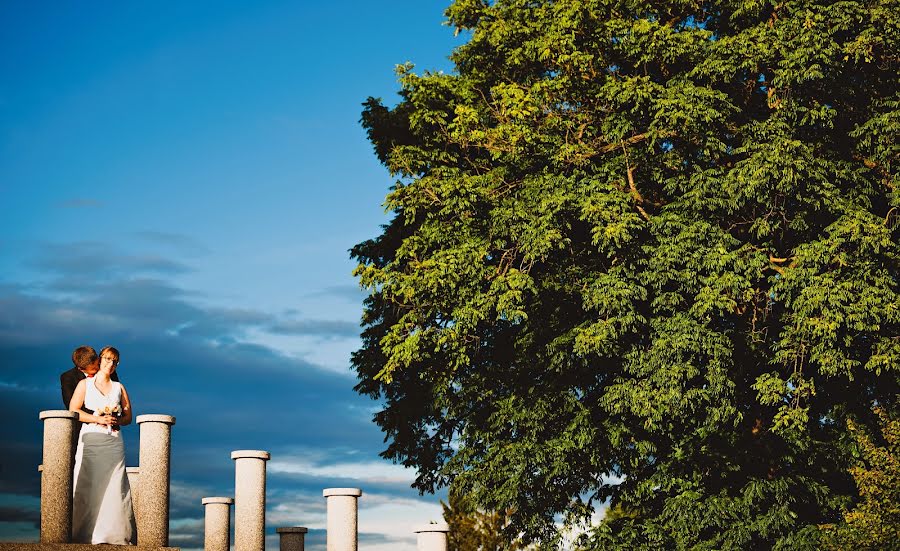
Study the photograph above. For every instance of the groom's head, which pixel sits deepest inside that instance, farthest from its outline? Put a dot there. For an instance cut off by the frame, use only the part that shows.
(86, 360)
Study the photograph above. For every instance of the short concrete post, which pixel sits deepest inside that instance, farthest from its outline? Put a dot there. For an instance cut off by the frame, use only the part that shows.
(152, 510)
(292, 538)
(217, 525)
(57, 475)
(250, 499)
(432, 537)
(341, 524)
(134, 478)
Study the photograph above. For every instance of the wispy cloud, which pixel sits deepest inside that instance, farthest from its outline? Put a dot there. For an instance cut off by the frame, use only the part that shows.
(351, 293)
(316, 328)
(176, 241)
(100, 261)
(375, 472)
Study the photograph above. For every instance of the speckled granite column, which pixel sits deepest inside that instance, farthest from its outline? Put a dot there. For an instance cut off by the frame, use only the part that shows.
(134, 478)
(57, 475)
(341, 522)
(217, 524)
(152, 510)
(292, 538)
(432, 537)
(250, 499)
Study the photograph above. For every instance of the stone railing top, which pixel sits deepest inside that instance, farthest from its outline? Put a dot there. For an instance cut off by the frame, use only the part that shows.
(341, 492)
(225, 500)
(256, 454)
(133, 470)
(292, 530)
(58, 413)
(7, 546)
(439, 527)
(155, 418)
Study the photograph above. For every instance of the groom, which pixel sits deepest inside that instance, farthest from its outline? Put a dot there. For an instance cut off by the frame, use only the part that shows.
(86, 364)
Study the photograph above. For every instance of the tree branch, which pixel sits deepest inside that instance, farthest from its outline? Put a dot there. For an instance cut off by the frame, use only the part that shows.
(635, 194)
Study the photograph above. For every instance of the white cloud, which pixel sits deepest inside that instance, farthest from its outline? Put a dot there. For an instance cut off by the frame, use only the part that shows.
(397, 518)
(378, 472)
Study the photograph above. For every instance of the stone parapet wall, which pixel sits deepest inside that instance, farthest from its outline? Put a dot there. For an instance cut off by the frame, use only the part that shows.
(6, 546)
(150, 483)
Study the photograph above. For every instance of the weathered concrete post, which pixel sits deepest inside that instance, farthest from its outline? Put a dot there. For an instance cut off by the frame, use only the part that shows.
(250, 499)
(57, 474)
(292, 538)
(341, 524)
(134, 478)
(152, 510)
(432, 537)
(217, 524)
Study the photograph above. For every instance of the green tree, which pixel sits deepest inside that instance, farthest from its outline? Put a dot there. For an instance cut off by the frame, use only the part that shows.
(874, 525)
(645, 252)
(474, 530)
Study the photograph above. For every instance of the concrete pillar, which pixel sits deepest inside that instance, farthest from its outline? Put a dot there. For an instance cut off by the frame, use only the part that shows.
(152, 510)
(432, 537)
(292, 538)
(250, 499)
(134, 479)
(341, 524)
(57, 475)
(217, 525)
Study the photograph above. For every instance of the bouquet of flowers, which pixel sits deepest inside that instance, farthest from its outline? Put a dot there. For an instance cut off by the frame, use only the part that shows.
(116, 411)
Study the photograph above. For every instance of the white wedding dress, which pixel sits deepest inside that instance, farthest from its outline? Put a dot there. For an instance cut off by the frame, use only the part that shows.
(101, 508)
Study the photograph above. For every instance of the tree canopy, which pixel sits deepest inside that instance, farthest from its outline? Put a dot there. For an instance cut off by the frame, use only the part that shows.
(474, 530)
(874, 525)
(645, 253)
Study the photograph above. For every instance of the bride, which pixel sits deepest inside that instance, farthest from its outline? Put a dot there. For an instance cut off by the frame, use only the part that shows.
(101, 509)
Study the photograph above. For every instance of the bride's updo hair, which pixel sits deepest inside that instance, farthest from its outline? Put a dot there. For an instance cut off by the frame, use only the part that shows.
(112, 351)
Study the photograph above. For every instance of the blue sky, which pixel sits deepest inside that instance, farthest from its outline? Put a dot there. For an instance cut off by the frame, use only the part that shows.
(183, 181)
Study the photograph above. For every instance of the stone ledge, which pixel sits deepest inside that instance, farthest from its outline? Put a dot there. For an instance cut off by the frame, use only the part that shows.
(8, 546)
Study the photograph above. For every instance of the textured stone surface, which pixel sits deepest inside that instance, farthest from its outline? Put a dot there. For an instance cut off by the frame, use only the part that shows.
(341, 523)
(56, 475)
(292, 538)
(152, 509)
(250, 499)
(217, 524)
(432, 537)
(328, 492)
(6, 546)
(134, 477)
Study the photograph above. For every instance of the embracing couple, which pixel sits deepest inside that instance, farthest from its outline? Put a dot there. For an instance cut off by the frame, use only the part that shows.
(101, 509)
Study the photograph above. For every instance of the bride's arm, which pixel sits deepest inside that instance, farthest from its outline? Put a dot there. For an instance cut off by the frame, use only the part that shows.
(77, 404)
(125, 419)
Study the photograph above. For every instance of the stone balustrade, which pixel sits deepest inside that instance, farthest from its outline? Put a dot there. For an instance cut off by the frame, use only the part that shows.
(57, 475)
(432, 537)
(341, 524)
(250, 499)
(291, 538)
(134, 477)
(217, 523)
(150, 494)
(152, 511)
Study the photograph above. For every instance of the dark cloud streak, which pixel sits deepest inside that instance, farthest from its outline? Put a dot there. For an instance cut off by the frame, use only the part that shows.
(176, 241)
(99, 261)
(316, 328)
